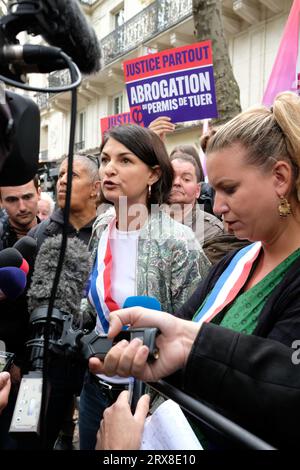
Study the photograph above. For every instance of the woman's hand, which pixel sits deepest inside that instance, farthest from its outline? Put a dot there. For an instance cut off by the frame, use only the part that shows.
(162, 126)
(119, 428)
(130, 358)
(4, 389)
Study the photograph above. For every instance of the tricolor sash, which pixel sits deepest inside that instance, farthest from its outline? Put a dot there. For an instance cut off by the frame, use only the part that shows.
(229, 283)
(100, 285)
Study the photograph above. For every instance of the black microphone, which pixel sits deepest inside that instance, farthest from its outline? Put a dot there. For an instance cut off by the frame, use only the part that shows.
(62, 23)
(33, 58)
(27, 246)
(73, 276)
(72, 34)
(11, 257)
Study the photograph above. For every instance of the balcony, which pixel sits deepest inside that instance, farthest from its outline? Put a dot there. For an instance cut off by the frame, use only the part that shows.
(156, 18)
(42, 100)
(59, 78)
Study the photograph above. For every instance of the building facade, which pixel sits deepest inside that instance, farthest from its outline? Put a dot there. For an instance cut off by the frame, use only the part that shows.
(130, 28)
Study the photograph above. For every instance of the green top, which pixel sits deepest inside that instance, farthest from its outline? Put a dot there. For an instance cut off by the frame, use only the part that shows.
(244, 312)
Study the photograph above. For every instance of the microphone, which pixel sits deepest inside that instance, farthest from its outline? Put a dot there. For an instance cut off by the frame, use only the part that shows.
(72, 33)
(27, 246)
(73, 276)
(10, 257)
(62, 23)
(12, 282)
(33, 58)
(142, 301)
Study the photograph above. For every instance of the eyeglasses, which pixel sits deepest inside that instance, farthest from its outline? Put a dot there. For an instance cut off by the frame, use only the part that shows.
(94, 159)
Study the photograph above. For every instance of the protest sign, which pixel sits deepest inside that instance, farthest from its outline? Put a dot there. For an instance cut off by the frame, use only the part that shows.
(178, 83)
(131, 117)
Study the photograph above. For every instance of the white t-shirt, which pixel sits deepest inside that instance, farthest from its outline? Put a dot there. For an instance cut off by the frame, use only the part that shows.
(123, 247)
(124, 254)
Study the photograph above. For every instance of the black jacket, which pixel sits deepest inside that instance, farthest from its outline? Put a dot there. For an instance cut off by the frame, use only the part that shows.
(13, 313)
(53, 226)
(251, 379)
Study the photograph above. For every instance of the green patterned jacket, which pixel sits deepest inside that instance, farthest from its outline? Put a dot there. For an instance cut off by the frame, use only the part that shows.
(170, 261)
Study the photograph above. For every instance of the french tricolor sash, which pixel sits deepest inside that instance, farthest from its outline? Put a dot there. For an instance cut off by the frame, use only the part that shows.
(100, 283)
(229, 283)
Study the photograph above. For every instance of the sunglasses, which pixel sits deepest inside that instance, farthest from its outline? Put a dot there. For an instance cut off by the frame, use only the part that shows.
(94, 159)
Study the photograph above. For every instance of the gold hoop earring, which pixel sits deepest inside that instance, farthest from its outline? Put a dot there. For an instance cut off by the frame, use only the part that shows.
(284, 207)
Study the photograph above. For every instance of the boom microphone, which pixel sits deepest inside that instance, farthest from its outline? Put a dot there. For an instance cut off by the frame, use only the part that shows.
(72, 33)
(62, 24)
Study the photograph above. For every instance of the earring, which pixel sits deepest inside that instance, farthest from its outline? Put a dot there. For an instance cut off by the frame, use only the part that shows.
(284, 207)
(149, 191)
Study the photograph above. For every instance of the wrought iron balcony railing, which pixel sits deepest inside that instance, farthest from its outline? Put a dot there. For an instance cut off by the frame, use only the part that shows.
(59, 78)
(159, 16)
(42, 100)
(156, 18)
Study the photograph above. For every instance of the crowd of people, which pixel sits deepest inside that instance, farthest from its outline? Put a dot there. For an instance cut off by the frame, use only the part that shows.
(228, 279)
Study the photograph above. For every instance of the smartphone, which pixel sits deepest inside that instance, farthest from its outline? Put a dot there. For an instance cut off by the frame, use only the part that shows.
(6, 360)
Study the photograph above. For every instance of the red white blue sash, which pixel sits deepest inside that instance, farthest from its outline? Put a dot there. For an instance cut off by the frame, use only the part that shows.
(229, 283)
(100, 288)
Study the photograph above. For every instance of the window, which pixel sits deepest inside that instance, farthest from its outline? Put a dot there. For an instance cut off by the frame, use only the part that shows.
(119, 17)
(117, 104)
(80, 132)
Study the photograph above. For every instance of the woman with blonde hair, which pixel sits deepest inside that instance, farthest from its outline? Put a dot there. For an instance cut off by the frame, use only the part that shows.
(239, 352)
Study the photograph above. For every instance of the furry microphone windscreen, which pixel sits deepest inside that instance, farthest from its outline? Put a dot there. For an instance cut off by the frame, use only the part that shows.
(73, 34)
(73, 276)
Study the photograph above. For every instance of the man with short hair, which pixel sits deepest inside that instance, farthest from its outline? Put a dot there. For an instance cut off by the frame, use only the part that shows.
(21, 205)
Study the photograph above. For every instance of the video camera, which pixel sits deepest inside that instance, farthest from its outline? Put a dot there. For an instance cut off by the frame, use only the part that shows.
(77, 343)
(62, 25)
(19, 115)
(64, 342)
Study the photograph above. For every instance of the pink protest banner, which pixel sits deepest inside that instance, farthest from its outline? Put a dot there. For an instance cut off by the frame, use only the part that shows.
(284, 75)
(131, 117)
